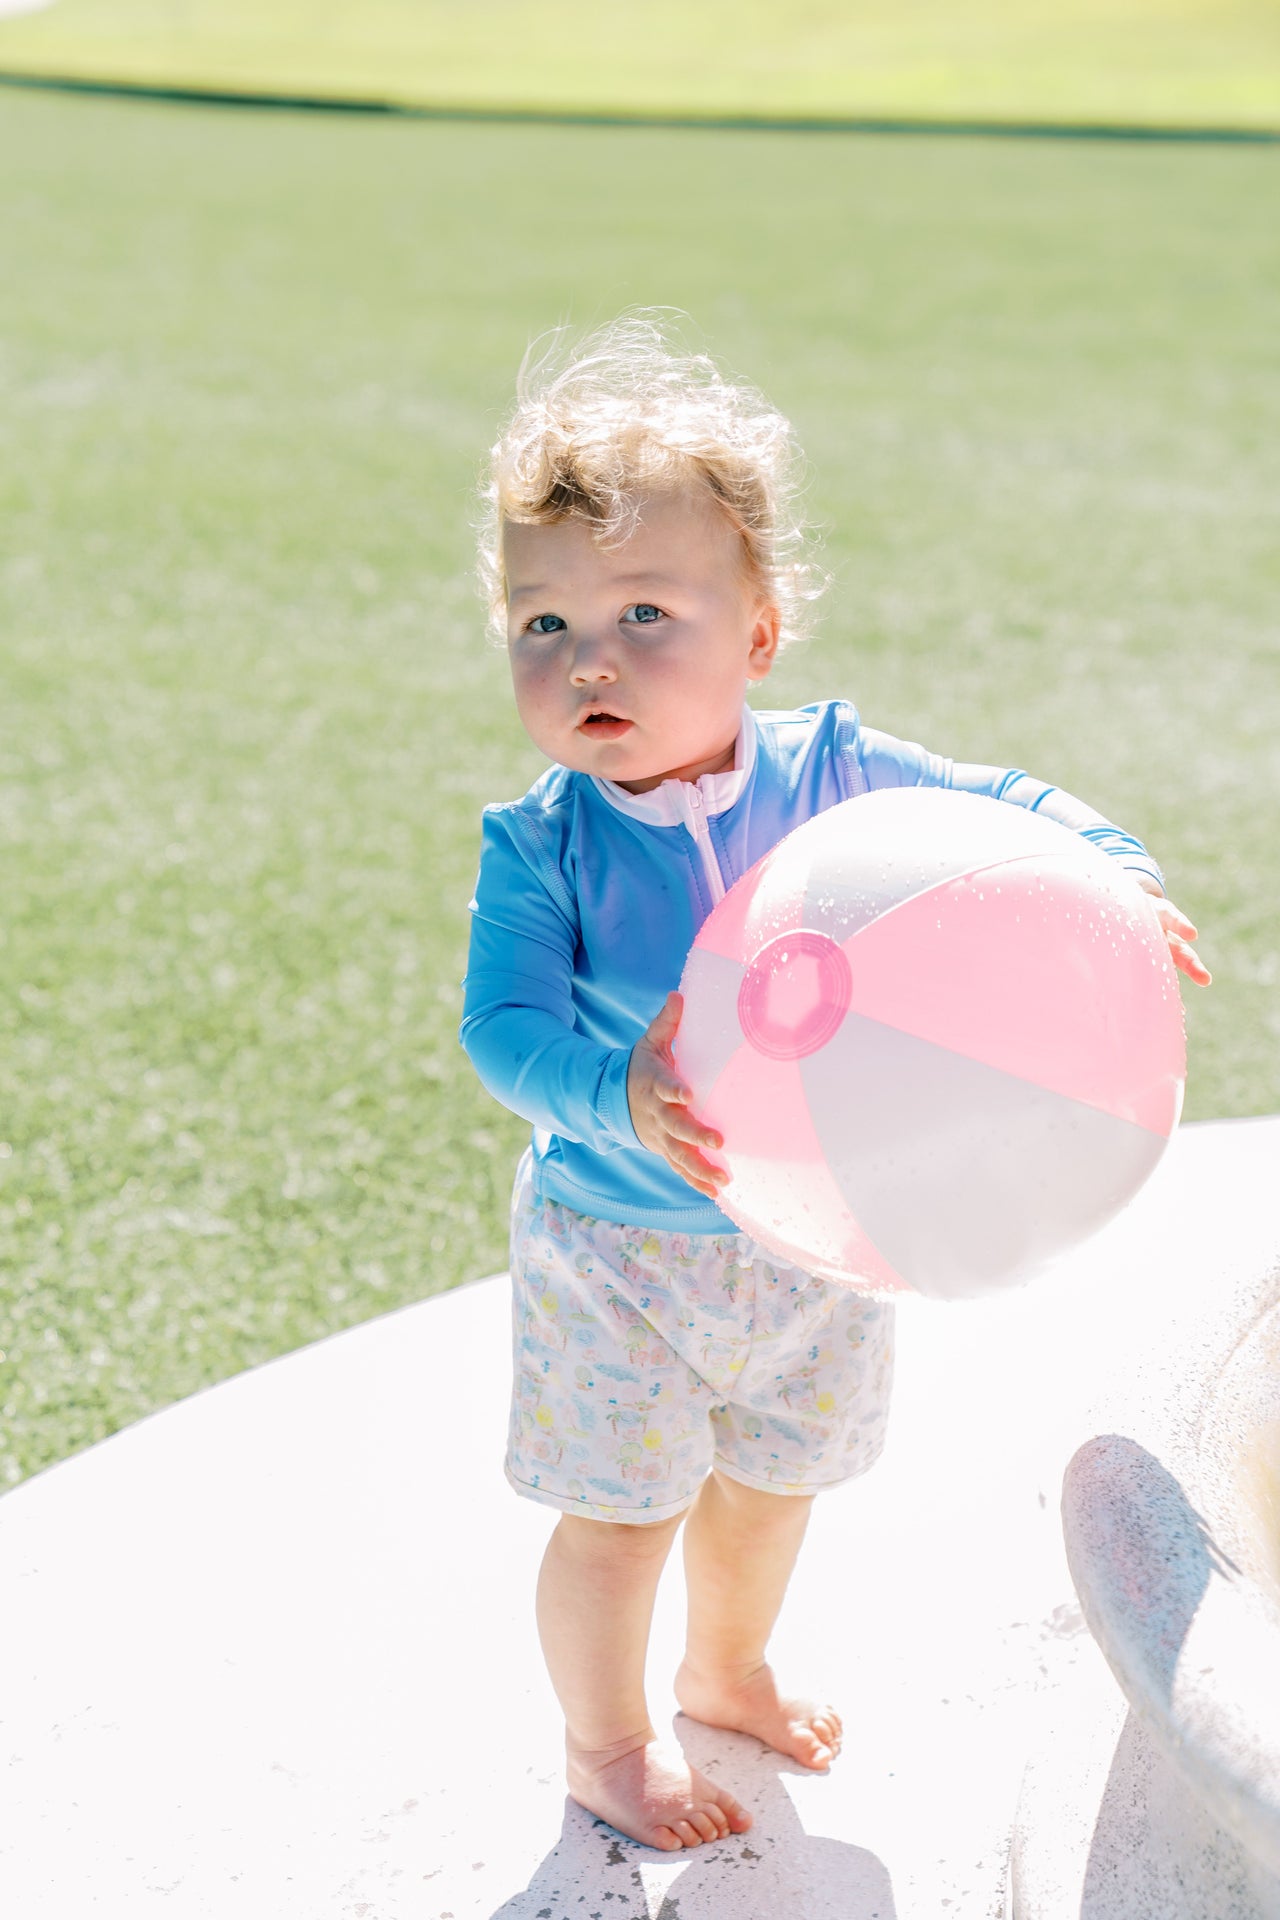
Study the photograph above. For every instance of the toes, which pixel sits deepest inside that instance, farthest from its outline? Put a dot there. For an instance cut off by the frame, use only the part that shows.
(825, 1729)
(811, 1750)
(736, 1815)
(692, 1829)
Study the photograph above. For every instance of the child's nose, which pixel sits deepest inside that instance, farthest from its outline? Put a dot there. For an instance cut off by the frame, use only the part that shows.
(592, 661)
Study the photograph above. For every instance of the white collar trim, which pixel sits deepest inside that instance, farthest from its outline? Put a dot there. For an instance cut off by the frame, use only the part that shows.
(664, 806)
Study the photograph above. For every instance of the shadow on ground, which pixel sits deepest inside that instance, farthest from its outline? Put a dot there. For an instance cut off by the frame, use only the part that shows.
(775, 1868)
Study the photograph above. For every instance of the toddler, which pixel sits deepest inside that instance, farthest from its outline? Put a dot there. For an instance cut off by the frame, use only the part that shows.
(642, 553)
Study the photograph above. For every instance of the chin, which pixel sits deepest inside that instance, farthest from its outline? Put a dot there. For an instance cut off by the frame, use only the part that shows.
(610, 759)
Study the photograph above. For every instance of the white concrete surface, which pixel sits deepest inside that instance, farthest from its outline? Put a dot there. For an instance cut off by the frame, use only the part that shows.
(1172, 1534)
(1107, 1830)
(271, 1652)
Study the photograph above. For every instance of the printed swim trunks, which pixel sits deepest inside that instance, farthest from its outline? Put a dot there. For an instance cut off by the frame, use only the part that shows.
(643, 1358)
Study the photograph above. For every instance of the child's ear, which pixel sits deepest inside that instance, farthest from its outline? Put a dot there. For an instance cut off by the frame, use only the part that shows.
(764, 641)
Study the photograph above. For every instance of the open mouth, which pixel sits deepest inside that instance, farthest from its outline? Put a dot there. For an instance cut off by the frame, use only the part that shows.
(605, 726)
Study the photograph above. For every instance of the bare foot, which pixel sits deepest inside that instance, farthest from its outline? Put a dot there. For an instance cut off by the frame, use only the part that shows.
(803, 1729)
(652, 1794)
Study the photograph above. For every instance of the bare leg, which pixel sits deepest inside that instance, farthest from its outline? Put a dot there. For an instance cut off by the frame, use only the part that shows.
(595, 1603)
(740, 1546)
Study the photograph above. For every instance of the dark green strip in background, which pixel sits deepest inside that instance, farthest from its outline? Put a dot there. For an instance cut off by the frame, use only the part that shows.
(711, 122)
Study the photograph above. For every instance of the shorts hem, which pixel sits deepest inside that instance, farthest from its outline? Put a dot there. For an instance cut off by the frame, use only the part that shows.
(597, 1509)
(804, 1488)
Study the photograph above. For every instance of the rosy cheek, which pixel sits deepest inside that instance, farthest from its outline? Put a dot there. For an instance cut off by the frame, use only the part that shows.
(542, 688)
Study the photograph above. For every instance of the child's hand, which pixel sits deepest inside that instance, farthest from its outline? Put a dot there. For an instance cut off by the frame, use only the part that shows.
(1178, 930)
(659, 1105)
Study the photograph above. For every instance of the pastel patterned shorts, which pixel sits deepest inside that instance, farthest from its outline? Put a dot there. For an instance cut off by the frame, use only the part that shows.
(643, 1358)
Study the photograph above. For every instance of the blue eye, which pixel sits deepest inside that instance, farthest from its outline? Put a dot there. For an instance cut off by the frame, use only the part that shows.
(553, 623)
(644, 615)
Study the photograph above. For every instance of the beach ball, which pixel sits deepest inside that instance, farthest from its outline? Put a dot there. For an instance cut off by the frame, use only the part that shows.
(942, 1038)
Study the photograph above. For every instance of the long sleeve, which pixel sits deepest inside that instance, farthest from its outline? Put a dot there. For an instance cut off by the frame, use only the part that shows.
(518, 1023)
(888, 762)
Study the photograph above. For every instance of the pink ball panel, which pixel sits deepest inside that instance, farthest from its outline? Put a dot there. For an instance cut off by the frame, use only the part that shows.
(1055, 970)
(782, 1191)
(766, 901)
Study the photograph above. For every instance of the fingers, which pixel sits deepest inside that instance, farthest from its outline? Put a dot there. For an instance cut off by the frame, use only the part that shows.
(669, 1128)
(681, 1125)
(698, 1172)
(682, 1136)
(683, 1155)
(652, 1068)
(1173, 920)
(1179, 931)
(675, 1117)
(1188, 961)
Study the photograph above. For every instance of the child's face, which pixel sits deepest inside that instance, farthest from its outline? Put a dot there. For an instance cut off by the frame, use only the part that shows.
(633, 662)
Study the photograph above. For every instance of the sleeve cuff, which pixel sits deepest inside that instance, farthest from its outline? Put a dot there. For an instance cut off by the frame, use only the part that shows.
(612, 1107)
(1147, 869)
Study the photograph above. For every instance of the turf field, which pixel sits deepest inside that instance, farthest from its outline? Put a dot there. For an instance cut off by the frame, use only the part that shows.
(1187, 63)
(249, 362)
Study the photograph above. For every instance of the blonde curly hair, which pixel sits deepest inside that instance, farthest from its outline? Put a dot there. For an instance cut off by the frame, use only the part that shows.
(627, 414)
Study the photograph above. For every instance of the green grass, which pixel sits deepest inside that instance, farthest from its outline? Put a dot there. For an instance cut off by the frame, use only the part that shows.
(1178, 62)
(248, 366)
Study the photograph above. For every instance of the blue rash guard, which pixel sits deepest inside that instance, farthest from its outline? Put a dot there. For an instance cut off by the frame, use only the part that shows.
(589, 898)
